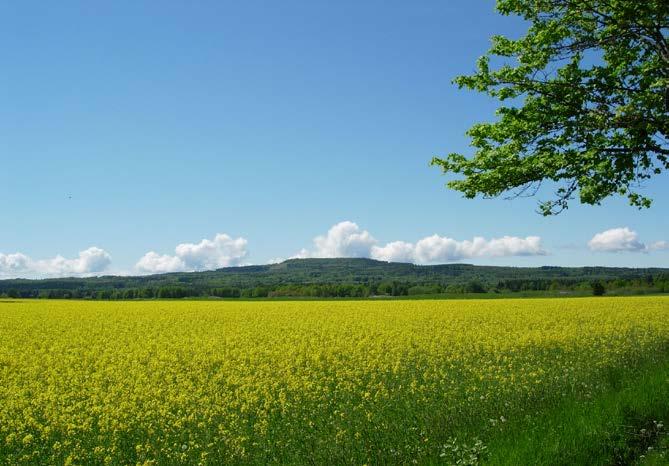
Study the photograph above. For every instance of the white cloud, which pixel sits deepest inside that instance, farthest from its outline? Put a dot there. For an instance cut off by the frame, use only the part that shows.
(157, 263)
(397, 251)
(90, 261)
(513, 246)
(615, 240)
(438, 249)
(622, 240)
(222, 251)
(302, 254)
(13, 263)
(658, 246)
(346, 239)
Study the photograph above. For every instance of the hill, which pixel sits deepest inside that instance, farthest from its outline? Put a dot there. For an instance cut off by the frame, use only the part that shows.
(339, 278)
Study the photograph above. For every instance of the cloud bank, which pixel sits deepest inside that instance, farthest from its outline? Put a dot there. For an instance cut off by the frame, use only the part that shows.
(346, 239)
(90, 261)
(623, 240)
(222, 251)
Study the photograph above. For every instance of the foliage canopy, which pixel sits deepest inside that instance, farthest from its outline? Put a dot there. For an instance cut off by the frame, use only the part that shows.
(586, 103)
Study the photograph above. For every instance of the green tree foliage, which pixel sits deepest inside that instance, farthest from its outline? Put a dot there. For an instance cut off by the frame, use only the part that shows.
(598, 288)
(585, 103)
(342, 278)
(474, 287)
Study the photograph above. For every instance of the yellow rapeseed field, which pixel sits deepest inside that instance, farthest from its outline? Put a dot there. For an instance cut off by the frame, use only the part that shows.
(296, 382)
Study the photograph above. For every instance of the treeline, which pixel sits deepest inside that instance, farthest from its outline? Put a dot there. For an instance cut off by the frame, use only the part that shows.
(647, 284)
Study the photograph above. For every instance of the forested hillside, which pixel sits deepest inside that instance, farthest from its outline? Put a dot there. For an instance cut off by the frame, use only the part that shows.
(343, 278)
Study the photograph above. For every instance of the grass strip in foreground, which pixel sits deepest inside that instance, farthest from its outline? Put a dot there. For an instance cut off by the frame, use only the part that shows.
(616, 427)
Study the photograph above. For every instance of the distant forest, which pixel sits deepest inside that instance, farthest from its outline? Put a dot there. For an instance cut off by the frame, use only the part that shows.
(347, 278)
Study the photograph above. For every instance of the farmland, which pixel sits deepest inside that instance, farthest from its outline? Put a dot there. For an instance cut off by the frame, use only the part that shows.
(498, 381)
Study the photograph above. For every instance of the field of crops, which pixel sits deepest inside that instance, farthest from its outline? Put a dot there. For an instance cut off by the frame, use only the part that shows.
(321, 382)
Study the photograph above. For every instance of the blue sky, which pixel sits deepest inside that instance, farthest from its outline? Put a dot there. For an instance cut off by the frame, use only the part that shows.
(139, 126)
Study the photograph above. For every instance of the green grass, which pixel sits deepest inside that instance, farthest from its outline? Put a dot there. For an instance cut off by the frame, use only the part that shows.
(616, 427)
(658, 456)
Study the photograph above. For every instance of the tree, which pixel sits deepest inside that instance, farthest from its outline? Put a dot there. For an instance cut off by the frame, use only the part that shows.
(474, 286)
(586, 104)
(598, 288)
